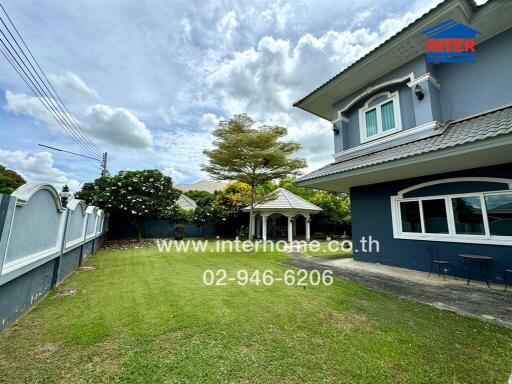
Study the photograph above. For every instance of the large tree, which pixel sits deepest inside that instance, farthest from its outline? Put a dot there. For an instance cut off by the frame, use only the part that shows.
(134, 196)
(252, 155)
(9, 181)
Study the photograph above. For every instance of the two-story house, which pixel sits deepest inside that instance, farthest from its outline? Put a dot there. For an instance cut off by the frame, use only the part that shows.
(425, 149)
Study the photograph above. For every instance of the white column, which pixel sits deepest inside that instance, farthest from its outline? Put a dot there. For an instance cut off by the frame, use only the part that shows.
(251, 226)
(264, 229)
(258, 227)
(308, 234)
(290, 229)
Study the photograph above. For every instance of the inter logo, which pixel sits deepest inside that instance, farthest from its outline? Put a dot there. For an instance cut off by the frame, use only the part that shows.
(451, 42)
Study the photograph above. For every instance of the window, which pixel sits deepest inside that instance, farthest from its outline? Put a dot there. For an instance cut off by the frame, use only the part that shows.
(484, 217)
(499, 214)
(467, 212)
(411, 218)
(380, 116)
(434, 215)
(388, 116)
(371, 122)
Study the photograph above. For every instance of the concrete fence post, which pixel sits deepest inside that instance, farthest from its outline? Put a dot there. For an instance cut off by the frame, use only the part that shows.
(58, 260)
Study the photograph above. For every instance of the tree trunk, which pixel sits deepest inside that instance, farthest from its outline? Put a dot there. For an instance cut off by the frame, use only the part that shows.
(139, 228)
(251, 214)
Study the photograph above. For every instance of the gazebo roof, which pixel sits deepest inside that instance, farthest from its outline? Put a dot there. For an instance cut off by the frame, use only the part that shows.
(185, 202)
(282, 199)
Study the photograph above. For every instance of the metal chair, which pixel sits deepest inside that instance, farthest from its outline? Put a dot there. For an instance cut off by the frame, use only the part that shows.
(441, 264)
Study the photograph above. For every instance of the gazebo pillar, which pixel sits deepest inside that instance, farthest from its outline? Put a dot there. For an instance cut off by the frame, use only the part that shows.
(258, 227)
(264, 227)
(308, 230)
(252, 224)
(290, 229)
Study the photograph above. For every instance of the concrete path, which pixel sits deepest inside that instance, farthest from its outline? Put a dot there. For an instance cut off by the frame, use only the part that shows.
(476, 300)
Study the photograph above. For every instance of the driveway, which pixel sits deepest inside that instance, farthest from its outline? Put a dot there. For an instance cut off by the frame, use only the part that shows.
(476, 300)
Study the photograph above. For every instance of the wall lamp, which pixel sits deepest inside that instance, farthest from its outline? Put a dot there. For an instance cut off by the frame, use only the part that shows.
(335, 129)
(418, 91)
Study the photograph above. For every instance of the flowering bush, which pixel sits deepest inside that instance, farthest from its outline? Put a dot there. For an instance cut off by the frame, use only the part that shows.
(134, 195)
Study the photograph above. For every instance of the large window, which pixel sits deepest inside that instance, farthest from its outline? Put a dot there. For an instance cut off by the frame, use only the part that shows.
(434, 215)
(411, 217)
(479, 217)
(468, 216)
(380, 116)
(499, 214)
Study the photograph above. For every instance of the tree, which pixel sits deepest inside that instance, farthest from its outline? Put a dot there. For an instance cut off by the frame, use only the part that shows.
(134, 196)
(201, 198)
(9, 181)
(252, 155)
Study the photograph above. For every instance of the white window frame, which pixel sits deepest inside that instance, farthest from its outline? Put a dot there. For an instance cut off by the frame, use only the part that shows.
(395, 97)
(451, 236)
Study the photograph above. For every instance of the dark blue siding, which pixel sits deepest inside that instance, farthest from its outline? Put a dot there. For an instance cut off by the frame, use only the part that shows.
(371, 216)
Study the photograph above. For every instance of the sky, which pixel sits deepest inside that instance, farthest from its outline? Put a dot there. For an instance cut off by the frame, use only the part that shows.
(149, 81)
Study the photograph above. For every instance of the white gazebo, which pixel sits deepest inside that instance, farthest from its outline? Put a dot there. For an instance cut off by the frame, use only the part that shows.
(282, 203)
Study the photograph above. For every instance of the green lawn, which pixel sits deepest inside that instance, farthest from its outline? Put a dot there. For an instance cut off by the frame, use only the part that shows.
(146, 317)
(326, 250)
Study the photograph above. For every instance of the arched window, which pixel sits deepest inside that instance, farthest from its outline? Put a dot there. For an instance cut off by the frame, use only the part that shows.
(380, 116)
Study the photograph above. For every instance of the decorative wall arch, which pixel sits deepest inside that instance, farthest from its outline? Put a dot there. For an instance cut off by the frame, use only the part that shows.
(76, 224)
(496, 180)
(24, 193)
(75, 203)
(374, 88)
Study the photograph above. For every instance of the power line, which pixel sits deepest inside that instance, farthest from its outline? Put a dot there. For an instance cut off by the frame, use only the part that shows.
(72, 153)
(68, 114)
(37, 88)
(43, 99)
(54, 104)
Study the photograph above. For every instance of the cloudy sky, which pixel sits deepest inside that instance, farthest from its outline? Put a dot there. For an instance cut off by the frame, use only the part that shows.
(149, 81)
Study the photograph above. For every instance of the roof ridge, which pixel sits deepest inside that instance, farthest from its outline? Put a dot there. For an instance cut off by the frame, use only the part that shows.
(284, 194)
(189, 199)
(301, 198)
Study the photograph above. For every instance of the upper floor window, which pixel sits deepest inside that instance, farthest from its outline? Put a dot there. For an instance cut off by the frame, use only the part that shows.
(380, 116)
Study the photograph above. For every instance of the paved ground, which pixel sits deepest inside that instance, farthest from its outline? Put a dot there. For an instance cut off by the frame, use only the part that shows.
(475, 300)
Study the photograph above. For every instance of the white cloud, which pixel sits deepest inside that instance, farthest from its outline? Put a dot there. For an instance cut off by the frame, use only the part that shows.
(209, 121)
(391, 26)
(29, 106)
(227, 24)
(38, 168)
(278, 14)
(181, 153)
(117, 126)
(71, 84)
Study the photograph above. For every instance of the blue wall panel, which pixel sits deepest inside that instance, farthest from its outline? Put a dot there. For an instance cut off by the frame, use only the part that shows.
(69, 262)
(371, 216)
(18, 295)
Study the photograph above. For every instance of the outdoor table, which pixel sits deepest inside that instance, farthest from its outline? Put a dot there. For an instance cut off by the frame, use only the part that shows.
(478, 258)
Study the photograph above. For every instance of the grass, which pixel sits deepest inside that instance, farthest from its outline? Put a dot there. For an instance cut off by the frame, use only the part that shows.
(146, 317)
(326, 249)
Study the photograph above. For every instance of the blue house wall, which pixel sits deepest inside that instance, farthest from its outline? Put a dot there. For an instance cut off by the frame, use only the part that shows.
(371, 216)
(472, 88)
(466, 89)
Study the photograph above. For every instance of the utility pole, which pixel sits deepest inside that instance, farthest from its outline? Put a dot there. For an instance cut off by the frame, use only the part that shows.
(104, 171)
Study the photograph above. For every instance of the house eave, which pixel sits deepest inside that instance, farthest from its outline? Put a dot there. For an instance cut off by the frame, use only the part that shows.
(494, 151)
